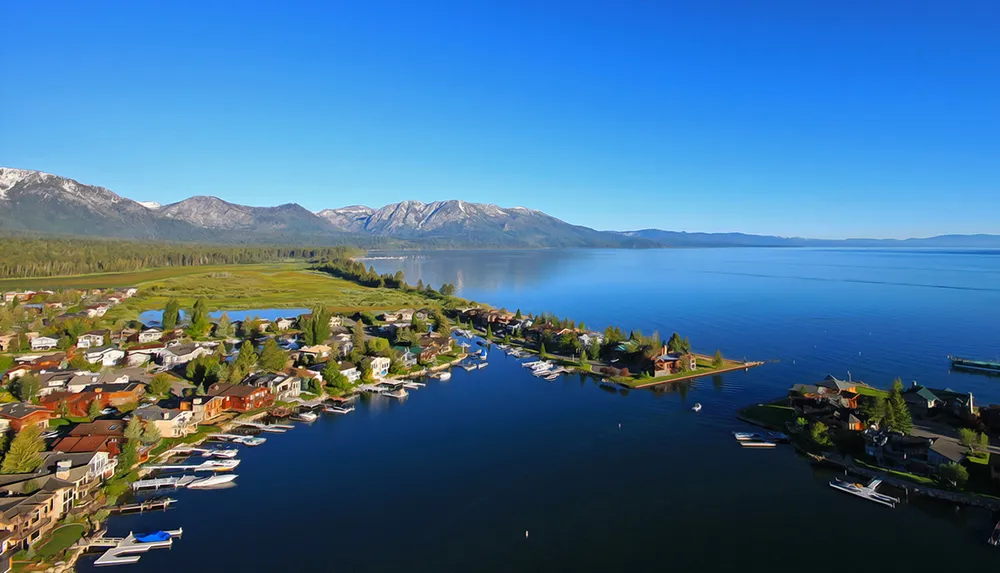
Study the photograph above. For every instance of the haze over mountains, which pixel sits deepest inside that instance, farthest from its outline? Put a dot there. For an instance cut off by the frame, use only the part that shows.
(42, 203)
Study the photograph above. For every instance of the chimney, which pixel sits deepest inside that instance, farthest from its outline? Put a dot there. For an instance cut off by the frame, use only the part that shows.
(62, 469)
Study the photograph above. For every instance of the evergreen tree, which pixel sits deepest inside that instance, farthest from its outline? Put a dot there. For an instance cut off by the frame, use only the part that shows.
(901, 417)
(675, 344)
(25, 454)
(224, 329)
(717, 360)
(94, 410)
(541, 351)
(199, 317)
(358, 335)
(150, 434)
(272, 357)
(244, 364)
(27, 387)
(420, 284)
(489, 332)
(517, 315)
(133, 430)
(171, 314)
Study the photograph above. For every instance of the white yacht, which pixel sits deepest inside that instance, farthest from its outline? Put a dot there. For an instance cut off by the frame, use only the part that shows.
(696, 407)
(305, 416)
(212, 481)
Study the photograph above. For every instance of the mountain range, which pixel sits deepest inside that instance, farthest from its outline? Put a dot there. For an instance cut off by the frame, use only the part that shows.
(43, 203)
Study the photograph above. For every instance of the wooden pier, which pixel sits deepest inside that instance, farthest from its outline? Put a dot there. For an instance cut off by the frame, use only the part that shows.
(147, 505)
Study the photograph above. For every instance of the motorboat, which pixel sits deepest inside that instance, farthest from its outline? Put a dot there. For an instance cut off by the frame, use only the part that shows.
(482, 365)
(250, 440)
(339, 408)
(223, 453)
(445, 375)
(218, 465)
(211, 481)
(305, 416)
(758, 444)
(696, 407)
(469, 367)
(747, 436)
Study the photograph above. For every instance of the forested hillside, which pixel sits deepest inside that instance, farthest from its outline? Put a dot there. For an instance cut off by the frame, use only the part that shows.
(36, 257)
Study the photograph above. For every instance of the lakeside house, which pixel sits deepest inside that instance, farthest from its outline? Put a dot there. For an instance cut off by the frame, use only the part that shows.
(241, 398)
(282, 386)
(671, 363)
(204, 408)
(925, 402)
(97, 436)
(915, 454)
(379, 366)
(170, 422)
(315, 353)
(284, 323)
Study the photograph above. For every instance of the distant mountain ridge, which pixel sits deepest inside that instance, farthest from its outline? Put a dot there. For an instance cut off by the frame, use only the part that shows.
(32, 201)
(42, 203)
(686, 239)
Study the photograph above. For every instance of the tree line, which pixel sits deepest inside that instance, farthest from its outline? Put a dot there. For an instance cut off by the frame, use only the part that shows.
(44, 257)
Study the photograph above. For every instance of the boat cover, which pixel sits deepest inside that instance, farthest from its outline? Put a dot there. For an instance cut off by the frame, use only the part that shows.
(151, 537)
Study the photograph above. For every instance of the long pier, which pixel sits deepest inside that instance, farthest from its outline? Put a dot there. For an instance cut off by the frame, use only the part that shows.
(148, 505)
(126, 550)
(274, 428)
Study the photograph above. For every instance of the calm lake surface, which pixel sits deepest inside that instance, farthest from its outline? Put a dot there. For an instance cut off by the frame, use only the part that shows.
(451, 478)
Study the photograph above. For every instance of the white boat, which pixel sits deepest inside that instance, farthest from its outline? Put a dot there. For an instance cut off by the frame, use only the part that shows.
(212, 481)
(218, 465)
(444, 375)
(696, 407)
(305, 416)
(250, 440)
(224, 453)
(747, 436)
(758, 444)
(482, 365)
(469, 367)
(865, 491)
(339, 408)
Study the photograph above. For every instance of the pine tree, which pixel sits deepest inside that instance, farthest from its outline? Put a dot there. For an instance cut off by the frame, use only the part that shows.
(25, 454)
(272, 357)
(133, 430)
(171, 314)
(901, 417)
(224, 329)
(150, 434)
(718, 361)
(517, 315)
(541, 350)
(358, 335)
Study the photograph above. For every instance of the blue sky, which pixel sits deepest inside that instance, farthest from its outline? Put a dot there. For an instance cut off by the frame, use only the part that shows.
(834, 119)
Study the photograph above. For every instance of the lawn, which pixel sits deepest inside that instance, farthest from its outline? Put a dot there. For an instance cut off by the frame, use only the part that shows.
(981, 458)
(772, 415)
(869, 391)
(240, 287)
(60, 540)
(902, 475)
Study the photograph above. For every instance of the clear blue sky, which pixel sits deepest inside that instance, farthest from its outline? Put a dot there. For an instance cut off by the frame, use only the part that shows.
(827, 119)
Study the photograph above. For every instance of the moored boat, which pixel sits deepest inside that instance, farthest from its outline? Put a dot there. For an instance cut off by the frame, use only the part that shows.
(444, 375)
(305, 416)
(758, 444)
(211, 481)
(696, 407)
(747, 436)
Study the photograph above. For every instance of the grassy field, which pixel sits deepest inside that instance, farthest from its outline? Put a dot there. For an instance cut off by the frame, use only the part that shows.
(115, 280)
(61, 539)
(240, 287)
(869, 391)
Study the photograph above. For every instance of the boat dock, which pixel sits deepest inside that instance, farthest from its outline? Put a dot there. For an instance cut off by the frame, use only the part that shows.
(148, 505)
(274, 428)
(206, 466)
(157, 483)
(126, 550)
(204, 452)
(865, 491)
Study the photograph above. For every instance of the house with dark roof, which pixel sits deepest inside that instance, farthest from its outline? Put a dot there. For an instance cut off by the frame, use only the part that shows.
(19, 415)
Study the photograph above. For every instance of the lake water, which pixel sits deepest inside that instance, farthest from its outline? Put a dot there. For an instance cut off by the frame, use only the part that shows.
(452, 478)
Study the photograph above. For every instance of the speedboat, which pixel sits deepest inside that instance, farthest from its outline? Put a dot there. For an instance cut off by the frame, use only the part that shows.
(776, 436)
(250, 440)
(758, 444)
(445, 375)
(747, 436)
(224, 453)
(470, 367)
(218, 465)
(339, 408)
(212, 481)
(482, 365)
(305, 416)
(696, 407)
